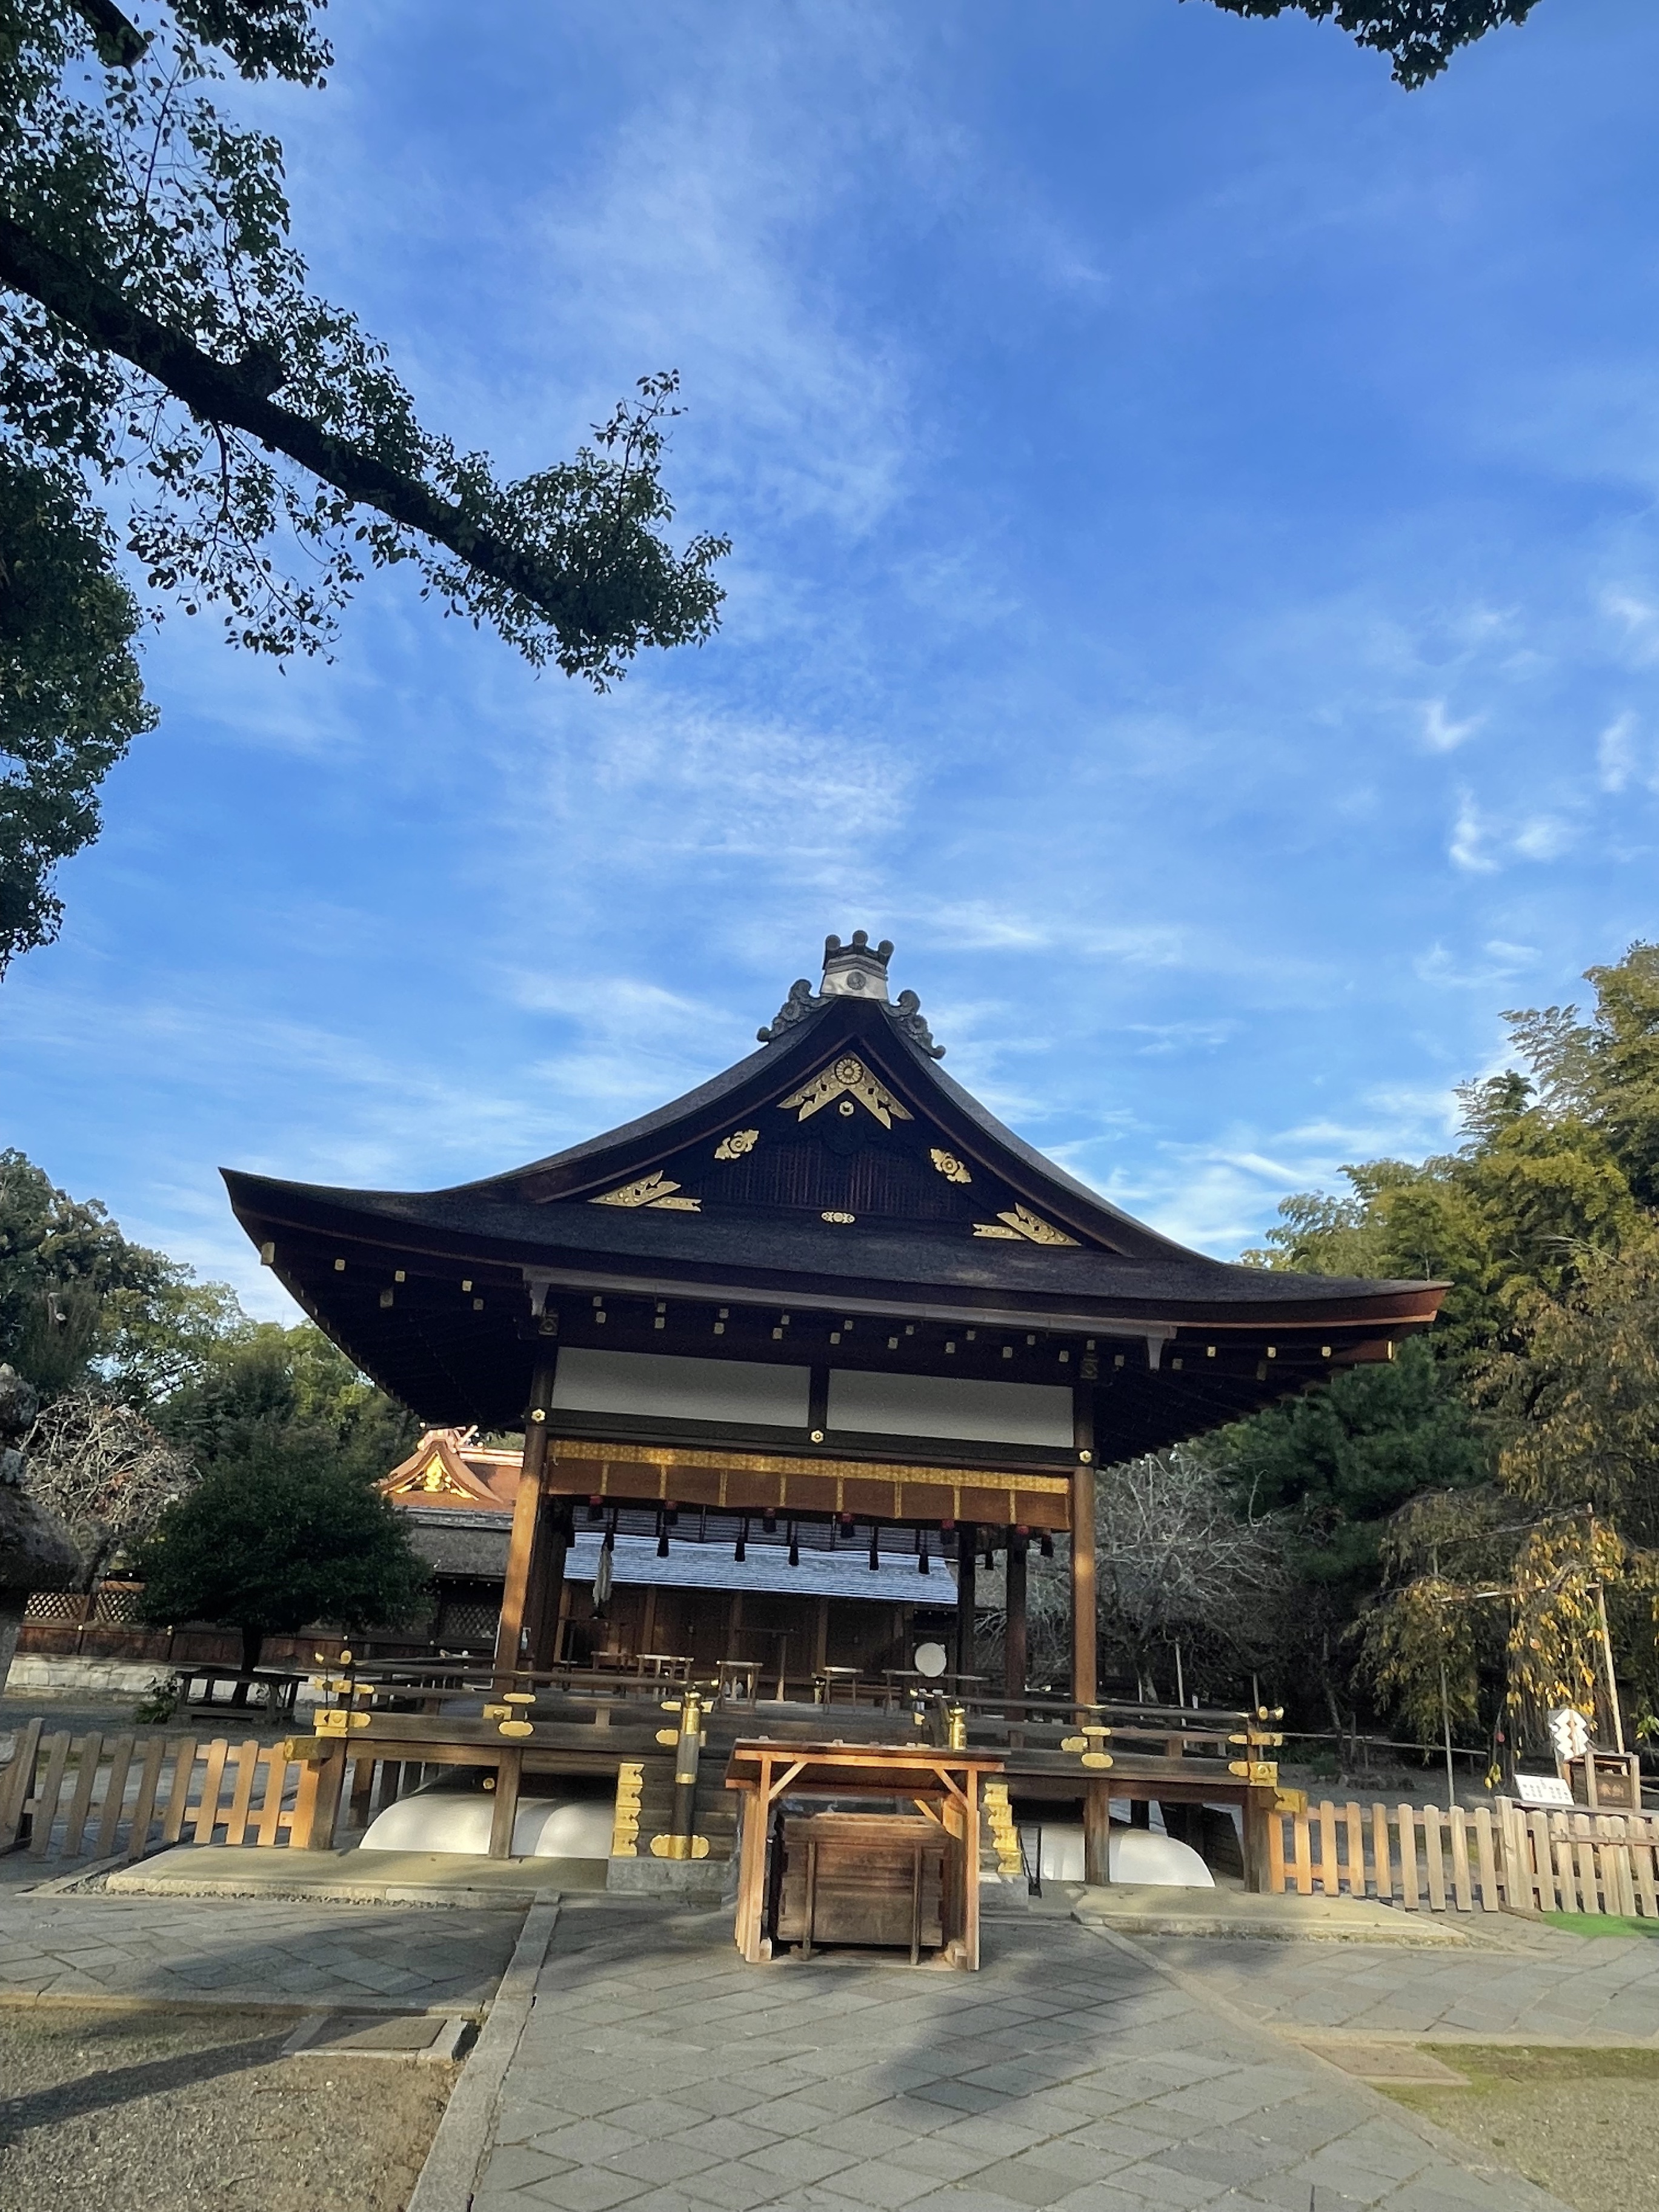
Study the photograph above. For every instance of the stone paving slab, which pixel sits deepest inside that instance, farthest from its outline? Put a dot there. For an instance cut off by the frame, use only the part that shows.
(1560, 1988)
(659, 2073)
(1136, 1910)
(250, 1952)
(355, 1877)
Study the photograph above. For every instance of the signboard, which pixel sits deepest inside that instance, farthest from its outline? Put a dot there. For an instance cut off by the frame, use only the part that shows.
(1542, 1790)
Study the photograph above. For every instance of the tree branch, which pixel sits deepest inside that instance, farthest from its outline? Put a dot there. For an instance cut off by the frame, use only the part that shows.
(235, 397)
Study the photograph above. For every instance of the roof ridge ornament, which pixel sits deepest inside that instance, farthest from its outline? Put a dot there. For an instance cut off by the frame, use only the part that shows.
(856, 970)
(906, 1017)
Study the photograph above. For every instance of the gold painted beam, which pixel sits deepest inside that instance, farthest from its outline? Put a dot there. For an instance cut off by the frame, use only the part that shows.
(765, 1482)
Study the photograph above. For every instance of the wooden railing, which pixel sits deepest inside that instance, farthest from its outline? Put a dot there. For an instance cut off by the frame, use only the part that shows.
(1426, 1859)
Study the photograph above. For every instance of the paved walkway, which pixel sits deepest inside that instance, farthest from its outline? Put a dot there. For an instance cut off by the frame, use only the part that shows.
(1549, 1986)
(250, 1952)
(660, 2073)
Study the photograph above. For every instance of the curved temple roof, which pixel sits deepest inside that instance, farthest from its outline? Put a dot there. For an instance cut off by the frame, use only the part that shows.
(836, 1180)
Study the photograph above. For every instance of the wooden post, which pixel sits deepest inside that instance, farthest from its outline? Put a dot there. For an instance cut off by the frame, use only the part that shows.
(524, 1541)
(733, 1624)
(325, 1807)
(821, 1635)
(967, 1562)
(1015, 1641)
(1097, 1831)
(751, 1869)
(1258, 1814)
(545, 1588)
(970, 1871)
(505, 1815)
(1085, 1671)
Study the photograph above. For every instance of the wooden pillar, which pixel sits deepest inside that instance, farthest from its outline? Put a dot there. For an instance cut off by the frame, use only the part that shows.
(734, 1625)
(1097, 1831)
(545, 1588)
(821, 1634)
(527, 1526)
(1015, 1639)
(1086, 1676)
(967, 1564)
(505, 1810)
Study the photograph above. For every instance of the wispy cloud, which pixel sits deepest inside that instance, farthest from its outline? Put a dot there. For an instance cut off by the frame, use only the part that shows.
(1440, 734)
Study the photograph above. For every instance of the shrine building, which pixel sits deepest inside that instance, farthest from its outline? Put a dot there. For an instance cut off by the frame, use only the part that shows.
(825, 1306)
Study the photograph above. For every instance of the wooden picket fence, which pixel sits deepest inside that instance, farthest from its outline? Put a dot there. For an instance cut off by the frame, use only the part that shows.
(97, 1797)
(1424, 1858)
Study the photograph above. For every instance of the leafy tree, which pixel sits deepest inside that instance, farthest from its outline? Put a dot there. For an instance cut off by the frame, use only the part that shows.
(279, 1537)
(1532, 1411)
(71, 696)
(267, 1391)
(61, 1259)
(1332, 1469)
(1420, 35)
(160, 334)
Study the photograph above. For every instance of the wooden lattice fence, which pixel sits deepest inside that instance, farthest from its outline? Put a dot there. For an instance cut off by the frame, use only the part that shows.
(65, 1796)
(1424, 1858)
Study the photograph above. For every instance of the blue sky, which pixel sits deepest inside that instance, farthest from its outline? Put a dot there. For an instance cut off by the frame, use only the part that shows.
(1196, 589)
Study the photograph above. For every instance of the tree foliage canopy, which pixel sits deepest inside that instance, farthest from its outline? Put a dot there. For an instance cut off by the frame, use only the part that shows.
(1513, 1486)
(282, 1535)
(71, 699)
(1420, 36)
(160, 340)
(162, 334)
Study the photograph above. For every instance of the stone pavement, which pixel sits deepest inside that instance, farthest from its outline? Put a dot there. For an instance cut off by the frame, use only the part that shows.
(1543, 1985)
(250, 1952)
(660, 2073)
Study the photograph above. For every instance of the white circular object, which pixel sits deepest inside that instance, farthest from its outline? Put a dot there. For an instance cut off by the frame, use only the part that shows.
(930, 1660)
(1140, 1856)
(459, 1820)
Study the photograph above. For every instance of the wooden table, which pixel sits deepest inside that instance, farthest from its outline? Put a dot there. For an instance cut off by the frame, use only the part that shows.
(859, 1883)
(284, 1688)
(826, 1680)
(739, 1681)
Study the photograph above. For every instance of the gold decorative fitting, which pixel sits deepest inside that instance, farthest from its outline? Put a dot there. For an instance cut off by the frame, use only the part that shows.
(267, 1255)
(339, 1266)
(518, 1696)
(436, 1480)
(516, 1729)
(949, 1166)
(654, 1189)
(1096, 1758)
(844, 1220)
(1019, 1221)
(847, 1080)
(739, 1142)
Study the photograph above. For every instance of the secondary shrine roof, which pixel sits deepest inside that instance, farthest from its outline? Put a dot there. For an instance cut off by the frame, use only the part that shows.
(836, 1184)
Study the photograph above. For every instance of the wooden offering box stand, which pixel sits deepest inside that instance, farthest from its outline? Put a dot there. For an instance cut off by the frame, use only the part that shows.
(908, 1879)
